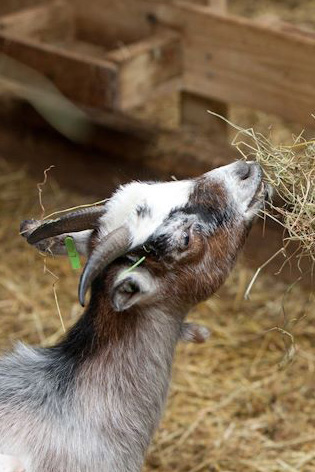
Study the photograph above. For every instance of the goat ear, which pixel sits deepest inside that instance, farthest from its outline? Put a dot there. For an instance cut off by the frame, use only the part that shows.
(131, 289)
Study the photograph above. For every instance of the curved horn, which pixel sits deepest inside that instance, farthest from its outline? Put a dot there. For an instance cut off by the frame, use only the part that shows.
(73, 222)
(114, 245)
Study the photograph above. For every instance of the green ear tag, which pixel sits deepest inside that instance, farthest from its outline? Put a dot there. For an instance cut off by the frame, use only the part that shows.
(72, 253)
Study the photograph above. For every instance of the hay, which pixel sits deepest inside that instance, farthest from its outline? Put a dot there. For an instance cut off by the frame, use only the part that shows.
(237, 403)
(27, 303)
(233, 405)
(291, 172)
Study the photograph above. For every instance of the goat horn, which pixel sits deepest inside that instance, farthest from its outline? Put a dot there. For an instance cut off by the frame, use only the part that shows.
(114, 245)
(73, 222)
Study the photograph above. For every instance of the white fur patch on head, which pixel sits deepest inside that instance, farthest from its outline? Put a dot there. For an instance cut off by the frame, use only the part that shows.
(10, 464)
(242, 182)
(144, 206)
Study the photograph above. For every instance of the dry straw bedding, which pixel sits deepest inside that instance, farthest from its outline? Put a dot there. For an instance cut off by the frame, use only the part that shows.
(240, 402)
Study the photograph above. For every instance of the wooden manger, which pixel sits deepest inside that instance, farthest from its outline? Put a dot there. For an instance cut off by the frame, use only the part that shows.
(106, 74)
(109, 57)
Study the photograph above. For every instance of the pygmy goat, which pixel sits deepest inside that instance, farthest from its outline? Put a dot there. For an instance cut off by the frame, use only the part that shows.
(91, 403)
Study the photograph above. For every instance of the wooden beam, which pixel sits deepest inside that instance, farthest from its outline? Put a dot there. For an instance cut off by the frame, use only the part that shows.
(46, 38)
(226, 58)
(79, 79)
(120, 80)
(193, 107)
(113, 23)
(237, 61)
(54, 19)
(145, 66)
(216, 5)
(30, 36)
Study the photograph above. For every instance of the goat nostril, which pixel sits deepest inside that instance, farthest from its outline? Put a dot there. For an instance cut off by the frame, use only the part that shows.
(244, 170)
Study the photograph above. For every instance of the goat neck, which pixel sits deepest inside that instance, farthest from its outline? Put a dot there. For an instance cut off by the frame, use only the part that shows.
(122, 360)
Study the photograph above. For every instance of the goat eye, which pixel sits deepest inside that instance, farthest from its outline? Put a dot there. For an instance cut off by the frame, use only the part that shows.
(185, 240)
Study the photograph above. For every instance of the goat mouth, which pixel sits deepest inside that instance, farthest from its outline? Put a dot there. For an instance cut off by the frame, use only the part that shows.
(262, 194)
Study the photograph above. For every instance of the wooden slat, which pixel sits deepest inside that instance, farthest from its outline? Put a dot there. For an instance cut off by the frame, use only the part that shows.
(216, 5)
(234, 60)
(226, 58)
(144, 66)
(37, 37)
(193, 107)
(47, 39)
(121, 80)
(219, 5)
(113, 23)
(42, 22)
(91, 83)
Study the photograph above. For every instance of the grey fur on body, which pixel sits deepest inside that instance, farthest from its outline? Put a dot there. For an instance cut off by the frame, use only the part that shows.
(92, 402)
(108, 431)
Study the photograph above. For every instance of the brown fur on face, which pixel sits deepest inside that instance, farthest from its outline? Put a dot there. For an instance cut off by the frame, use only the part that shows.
(181, 282)
(209, 194)
(193, 283)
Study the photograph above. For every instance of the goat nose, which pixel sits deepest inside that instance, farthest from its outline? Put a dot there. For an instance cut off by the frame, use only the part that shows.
(243, 169)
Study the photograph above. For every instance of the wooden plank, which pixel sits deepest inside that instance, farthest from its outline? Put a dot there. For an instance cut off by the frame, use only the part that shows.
(193, 107)
(85, 71)
(226, 58)
(113, 23)
(42, 22)
(79, 68)
(234, 60)
(144, 66)
(91, 83)
(38, 38)
(216, 5)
